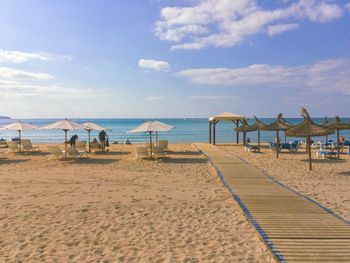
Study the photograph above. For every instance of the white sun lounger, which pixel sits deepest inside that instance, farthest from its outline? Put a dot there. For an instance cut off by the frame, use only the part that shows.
(55, 153)
(27, 145)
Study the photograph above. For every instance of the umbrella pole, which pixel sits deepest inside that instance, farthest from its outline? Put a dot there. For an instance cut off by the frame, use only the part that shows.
(285, 137)
(89, 141)
(259, 138)
(20, 141)
(309, 148)
(326, 138)
(150, 143)
(277, 144)
(65, 143)
(157, 143)
(338, 143)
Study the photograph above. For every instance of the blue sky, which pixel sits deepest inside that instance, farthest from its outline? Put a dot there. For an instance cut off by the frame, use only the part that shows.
(163, 58)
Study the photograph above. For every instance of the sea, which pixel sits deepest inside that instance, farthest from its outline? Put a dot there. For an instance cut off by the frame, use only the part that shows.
(186, 130)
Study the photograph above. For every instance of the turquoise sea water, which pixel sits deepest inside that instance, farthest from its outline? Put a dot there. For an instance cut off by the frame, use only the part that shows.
(186, 130)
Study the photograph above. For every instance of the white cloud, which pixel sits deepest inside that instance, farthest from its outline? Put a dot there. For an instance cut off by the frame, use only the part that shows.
(156, 65)
(11, 73)
(155, 98)
(347, 6)
(199, 97)
(280, 28)
(327, 75)
(20, 57)
(224, 23)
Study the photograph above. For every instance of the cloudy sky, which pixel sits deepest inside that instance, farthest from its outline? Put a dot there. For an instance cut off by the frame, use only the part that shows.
(173, 58)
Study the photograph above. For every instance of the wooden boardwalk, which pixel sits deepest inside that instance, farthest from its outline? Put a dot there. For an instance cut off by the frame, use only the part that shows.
(294, 227)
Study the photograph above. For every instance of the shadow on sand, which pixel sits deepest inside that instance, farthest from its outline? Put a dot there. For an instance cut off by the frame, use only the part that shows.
(184, 160)
(111, 153)
(11, 161)
(185, 153)
(96, 161)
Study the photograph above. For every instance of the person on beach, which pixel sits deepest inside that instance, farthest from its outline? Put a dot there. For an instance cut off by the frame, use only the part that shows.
(73, 140)
(342, 139)
(103, 137)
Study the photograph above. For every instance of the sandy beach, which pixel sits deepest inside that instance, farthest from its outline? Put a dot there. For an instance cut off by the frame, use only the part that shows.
(111, 207)
(328, 183)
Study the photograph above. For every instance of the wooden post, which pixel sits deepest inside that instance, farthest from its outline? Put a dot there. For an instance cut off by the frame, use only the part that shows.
(65, 143)
(157, 142)
(209, 132)
(244, 138)
(89, 140)
(285, 137)
(151, 144)
(214, 132)
(338, 143)
(259, 138)
(20, 140)
(277, 144)
(237, 133)
(309, 149)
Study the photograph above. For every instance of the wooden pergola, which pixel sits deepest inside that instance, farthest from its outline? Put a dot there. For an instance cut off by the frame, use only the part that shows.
(225, 116)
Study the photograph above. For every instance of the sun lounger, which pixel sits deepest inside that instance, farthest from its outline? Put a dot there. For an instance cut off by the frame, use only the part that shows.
(13, 147)
(141, 152)
(27, 145)
(325, 153)
(81, 146)
(55, 153)
(95, 146)
(252, 148)
(73, 152)
(164, 144)
(158, 152)
(3, 153)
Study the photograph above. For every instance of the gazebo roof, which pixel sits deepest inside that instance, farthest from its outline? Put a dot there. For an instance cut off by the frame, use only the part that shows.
(227, 116)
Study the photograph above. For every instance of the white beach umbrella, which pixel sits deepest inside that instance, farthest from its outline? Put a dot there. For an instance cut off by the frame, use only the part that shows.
(90, 126)
(64, 125)
(150, 127)
(19, 126)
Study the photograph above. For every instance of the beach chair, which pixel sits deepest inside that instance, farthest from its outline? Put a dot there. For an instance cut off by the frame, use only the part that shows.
(95, 146)
(27, 146)
(294, 146)
(74, 153)
(3, 153)
(251, 148)
(325, 153)
(81, 146)
(158, 152)
(13, 147)
(164, 144)
(141, 152)
(55, 153)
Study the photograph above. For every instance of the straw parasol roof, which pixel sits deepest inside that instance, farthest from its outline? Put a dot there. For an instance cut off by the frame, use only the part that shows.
(278, 125)
(258, 124)
(307, 128)
(245, 127)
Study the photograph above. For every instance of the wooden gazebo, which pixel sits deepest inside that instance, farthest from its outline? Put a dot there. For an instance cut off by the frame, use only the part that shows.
(225, 116)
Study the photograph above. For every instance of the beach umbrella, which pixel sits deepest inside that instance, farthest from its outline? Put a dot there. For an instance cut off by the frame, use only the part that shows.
(64, 125)
(245, 127)
(19, 126)
(150, 127)
(307, 129)
(337, 124)
(90, 126)
(278, 125)
(254, 127)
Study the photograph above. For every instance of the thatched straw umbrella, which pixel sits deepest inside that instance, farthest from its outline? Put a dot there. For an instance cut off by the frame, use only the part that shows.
(338, 125)
(307, 128)
(278, 125)
(245, 127)
(257, 126)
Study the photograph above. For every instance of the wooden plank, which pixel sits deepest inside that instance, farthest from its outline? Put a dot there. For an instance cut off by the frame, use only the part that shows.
(294, 228)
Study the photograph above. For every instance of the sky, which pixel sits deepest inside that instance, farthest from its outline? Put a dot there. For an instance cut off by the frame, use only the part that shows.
(167, 58)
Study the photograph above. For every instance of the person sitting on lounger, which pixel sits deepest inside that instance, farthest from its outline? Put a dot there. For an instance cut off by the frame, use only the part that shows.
(73, 140)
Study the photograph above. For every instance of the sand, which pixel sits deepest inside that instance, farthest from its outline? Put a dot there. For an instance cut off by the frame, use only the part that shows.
(113, 208)
(328, 183)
